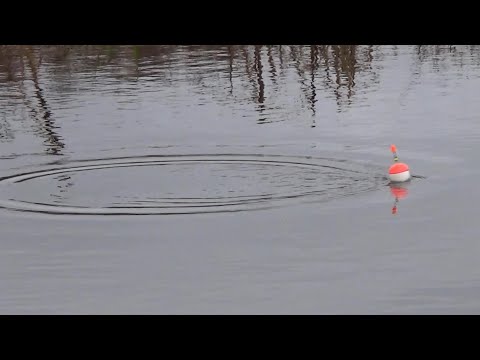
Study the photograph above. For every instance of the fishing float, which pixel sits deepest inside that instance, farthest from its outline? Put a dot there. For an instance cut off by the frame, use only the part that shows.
(398, 172)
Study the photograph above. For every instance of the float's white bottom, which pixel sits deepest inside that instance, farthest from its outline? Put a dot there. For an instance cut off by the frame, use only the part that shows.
(400, 177)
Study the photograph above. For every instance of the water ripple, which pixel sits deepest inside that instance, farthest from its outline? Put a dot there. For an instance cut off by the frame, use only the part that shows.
(184, 184)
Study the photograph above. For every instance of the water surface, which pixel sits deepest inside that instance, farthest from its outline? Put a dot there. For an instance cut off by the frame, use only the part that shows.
(238, 179)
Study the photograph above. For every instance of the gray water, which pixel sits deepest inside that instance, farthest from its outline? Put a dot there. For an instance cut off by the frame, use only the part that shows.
(238, 179)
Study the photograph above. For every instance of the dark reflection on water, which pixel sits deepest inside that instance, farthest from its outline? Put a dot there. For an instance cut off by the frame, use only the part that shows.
(261, 85)
(22, 65)
(42, 114)
(320, 70)
(314, 60)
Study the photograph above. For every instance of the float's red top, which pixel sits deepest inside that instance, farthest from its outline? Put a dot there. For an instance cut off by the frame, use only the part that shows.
(398, 168)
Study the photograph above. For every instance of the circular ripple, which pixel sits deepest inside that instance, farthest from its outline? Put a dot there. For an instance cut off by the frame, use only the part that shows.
(184, 184)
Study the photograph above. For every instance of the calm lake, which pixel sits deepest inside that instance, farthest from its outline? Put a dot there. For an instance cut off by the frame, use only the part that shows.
(239, 179)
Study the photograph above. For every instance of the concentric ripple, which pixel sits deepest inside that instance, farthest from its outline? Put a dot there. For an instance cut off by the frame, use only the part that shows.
(184, 184)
